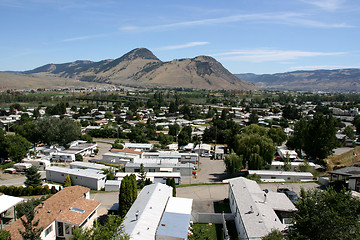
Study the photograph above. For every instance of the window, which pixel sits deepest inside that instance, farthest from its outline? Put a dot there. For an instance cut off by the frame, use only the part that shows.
(137, 170)
(48, 230)
(152, 170)
(62, 174)
(67, 228)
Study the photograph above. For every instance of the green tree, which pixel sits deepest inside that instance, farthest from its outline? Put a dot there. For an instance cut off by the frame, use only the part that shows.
(320, 137)
(87, 138)
(31, 232)
(254, 118)
(349, 132)
(326, 215)
(127, 195)
(4, 235)
(256, 150)
(233, 163)
(79, 157)
(111, 229)
(29, 205)
(356, 123)
(184, 136)
(15, 147)
(109, 115)
(67, 181)
(33, 177)
(142, 176)
(274, 235)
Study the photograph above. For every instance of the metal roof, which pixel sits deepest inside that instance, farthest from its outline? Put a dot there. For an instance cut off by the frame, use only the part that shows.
(143, 217)
(7, 202)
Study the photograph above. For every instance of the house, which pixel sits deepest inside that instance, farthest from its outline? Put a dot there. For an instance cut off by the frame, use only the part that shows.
(203, 149)
(86, 178)
(294, 166)
(155, 177)
(184, 169)
(141, 146)
(89, 166)
(257, 213)
(117, 158)
(155, 214)
(41, 164)
(284, 153)
(112, 185)
(63, 157)
(7, 202)
(61, 213)
(175, 221)
(22, 167)
(350, 175)
(282, 176)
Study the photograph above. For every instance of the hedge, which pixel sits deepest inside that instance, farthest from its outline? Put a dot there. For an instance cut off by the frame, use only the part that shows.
(27, 191)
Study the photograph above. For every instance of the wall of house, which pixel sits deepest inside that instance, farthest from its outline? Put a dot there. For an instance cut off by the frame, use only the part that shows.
(92, 183)
(51, 234)
(235, 211)
(352, 183)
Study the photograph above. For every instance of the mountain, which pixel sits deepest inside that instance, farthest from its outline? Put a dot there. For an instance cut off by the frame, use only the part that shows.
(339, 80)
(140, 67)
(9, 80)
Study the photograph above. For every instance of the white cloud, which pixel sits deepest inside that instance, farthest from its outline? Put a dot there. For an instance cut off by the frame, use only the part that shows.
(86, 37)
(186, 45)
(327, 4)
(266, 55)
(289, 18)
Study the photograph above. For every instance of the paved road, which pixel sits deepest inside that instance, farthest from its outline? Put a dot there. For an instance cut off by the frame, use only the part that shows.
(210, 171)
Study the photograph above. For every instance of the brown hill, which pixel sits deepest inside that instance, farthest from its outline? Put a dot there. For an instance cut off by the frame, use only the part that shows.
(31, 81)
(140, 67)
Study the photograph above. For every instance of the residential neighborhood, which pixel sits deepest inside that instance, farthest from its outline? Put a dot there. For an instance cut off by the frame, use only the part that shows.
(242, 166)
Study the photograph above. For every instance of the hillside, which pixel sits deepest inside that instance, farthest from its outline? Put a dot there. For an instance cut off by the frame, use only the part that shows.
(140, 67)
(26, 81)
(340, 80)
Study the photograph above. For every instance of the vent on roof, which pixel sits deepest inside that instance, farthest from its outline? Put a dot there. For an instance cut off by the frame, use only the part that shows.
(78, 210)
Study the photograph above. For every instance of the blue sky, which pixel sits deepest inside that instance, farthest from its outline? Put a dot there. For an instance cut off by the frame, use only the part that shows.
(258, 36)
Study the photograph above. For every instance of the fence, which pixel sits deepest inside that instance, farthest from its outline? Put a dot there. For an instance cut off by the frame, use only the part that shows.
(216, 218)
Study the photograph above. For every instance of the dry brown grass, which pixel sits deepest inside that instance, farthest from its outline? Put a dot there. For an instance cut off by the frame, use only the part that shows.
(25, 81)
(346, 159)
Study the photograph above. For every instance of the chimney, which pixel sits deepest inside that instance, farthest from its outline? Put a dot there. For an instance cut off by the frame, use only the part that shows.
(137, 215)
(265, 197)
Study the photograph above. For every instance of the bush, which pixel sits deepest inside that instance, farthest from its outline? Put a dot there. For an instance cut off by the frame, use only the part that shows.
(27, 191)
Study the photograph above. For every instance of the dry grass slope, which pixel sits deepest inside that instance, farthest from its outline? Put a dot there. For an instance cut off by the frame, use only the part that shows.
(343, 160)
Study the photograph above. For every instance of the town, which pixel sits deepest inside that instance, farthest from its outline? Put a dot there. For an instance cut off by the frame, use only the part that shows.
(178, 164)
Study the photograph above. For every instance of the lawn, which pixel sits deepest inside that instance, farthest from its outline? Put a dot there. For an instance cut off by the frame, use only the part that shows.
(343, 160)
(206, 232)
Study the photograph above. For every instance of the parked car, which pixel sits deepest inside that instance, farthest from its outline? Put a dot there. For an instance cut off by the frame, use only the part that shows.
(292, 196)
(268, 190)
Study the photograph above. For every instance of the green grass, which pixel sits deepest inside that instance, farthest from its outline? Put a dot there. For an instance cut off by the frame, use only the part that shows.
(204, 231)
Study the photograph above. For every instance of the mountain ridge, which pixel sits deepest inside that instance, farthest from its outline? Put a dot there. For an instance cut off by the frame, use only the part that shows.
(140, 67)
(334, 80)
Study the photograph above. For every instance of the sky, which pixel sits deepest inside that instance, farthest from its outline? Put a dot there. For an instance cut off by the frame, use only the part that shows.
(245, 36)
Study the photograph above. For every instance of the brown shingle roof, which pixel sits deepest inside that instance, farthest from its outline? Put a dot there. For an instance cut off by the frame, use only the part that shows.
(47, 213)
(126, 150)
(77, 218)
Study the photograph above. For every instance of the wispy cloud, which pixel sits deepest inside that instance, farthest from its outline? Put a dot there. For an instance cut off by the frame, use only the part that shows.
(265, 55)
(331, 5)
(186, 45)
(322, 67)
(289, 18)
(87, 37)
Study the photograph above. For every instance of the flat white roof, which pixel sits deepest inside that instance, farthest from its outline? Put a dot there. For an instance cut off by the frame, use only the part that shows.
(7, 202)
(77, 172)
(256, 208)
(179, 205)
(148, 207)
(89, 165)
(280, 173)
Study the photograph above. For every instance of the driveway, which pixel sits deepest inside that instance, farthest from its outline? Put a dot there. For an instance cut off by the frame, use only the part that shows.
(210, 171)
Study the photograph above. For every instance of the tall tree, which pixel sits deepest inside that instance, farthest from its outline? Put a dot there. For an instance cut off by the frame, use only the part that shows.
(326, 215)
(33, 177)
(14, 147)
(320, 137)
(142, 176)
(127, 194)
(31, 231)
(67, 181)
